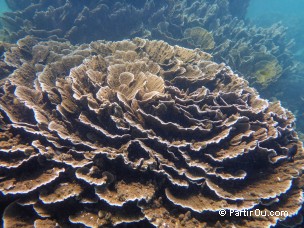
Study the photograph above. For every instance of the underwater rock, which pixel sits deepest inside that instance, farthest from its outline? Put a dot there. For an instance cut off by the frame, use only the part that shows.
(214, 25)
(140, 132)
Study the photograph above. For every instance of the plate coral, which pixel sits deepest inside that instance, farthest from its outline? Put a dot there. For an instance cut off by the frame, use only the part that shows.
(140, 132)
(217, 26)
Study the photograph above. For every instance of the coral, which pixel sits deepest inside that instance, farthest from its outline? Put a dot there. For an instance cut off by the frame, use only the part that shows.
(70, 20)
(140, 133)
(266, 69)
(236, 43)
(214, 25)
(200, 37)
(5, 69)
(263, 68)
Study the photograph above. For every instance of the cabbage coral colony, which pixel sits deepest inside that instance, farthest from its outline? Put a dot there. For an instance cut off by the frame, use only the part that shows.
(216, 26)
(140, 133)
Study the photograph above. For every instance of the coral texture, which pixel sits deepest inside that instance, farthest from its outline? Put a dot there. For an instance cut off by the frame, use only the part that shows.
(237, 43)
(5, 69)
(140, 132)
(213, 25)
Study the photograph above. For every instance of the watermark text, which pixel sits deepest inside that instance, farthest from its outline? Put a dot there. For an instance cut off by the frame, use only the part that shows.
(255, 213)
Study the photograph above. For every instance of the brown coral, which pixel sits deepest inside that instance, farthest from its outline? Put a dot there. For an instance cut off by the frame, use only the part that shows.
(141, 132)
(214, 25)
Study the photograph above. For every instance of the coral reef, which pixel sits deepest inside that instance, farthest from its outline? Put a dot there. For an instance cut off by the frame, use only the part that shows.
(200, 37)
(70, 20)
(263, 67)
(5, 69)
(287, 89)
(140, 132)
(237, 44)
(213, 25)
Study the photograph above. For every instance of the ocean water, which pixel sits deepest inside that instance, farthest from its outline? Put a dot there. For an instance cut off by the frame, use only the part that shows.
(288, 89)
(272, 11)
(289, 13)
(3, 7)
(102, 127)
